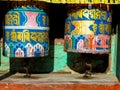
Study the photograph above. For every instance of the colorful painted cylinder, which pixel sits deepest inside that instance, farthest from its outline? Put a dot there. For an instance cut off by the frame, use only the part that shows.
(88, 30)
(26, 32)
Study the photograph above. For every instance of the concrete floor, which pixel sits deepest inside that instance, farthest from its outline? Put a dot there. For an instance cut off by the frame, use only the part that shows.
(59, 78)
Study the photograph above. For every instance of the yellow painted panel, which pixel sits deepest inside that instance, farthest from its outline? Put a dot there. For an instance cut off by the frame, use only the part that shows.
(79, 1)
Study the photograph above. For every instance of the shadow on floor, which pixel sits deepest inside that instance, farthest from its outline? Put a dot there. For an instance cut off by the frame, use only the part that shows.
(6, 75)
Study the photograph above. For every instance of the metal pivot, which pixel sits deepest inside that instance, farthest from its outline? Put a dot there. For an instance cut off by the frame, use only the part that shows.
(27, 72)
(88, 72)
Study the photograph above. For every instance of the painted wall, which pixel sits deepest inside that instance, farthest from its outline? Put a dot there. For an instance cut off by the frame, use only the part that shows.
(117, 20)
(4, 63)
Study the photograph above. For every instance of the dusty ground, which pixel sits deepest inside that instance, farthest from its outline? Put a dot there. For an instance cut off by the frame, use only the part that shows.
(58, 78)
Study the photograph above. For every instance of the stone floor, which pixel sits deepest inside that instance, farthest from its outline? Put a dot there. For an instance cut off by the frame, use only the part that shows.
(61, 78)
(59, 82)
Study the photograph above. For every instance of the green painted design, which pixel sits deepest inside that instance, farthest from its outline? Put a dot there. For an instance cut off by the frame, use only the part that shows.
(4, 63)
(28, 8)
(113, 54)
(60, 58)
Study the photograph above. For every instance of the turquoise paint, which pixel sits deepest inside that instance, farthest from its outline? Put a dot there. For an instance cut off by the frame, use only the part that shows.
(4, 66)
(60, 58)
(113, 56)
(118, 52)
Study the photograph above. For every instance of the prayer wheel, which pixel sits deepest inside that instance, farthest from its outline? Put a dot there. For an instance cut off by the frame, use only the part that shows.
(88, 29)
(26, 32)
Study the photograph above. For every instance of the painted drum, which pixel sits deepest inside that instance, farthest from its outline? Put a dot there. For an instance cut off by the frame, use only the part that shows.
(88, 30)
(26, 32)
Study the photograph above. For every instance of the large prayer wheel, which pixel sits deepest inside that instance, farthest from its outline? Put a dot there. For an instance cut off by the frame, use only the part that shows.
(26, 32)
(88, 29)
